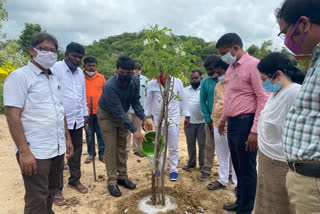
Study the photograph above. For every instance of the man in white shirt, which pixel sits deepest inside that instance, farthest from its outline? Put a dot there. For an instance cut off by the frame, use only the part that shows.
(194, 127)
(34, 110)
(72, 80)
(153, 106)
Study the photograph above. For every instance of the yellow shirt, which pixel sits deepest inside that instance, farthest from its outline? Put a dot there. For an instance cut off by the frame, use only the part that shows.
(217, 109)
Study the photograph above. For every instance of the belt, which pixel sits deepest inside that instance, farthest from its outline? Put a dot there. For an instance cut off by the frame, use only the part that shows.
(241, 116)
(306, 169)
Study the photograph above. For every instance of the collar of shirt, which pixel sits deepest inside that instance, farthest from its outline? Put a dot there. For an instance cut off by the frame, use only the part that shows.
(37, 70)
(242, 60)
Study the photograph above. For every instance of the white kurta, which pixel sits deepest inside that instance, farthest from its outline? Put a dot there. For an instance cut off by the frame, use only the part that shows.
(153, 107)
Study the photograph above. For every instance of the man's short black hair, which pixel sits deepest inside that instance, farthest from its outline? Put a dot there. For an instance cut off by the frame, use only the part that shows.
(125, 62)
(43, 36)
(196, 71)
(210, 60)
(292, 10)
(89, 59)
(228, 40)
(74, 47)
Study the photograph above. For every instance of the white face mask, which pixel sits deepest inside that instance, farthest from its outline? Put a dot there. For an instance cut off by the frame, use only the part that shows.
(221, 78)
(228, 58)
(90, 73)
(45, 59)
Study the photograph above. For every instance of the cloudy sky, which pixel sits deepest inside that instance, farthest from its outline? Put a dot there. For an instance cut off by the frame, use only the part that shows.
(84, 21)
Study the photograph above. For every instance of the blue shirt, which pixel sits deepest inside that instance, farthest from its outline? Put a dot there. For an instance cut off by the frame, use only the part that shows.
(143, 90)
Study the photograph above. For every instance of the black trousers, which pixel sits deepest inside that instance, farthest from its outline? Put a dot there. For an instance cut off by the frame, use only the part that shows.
(41, 187)
(75, 162)
(244, 163)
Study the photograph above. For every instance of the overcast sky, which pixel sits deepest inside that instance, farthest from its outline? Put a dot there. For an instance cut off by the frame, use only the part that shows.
(84, 21)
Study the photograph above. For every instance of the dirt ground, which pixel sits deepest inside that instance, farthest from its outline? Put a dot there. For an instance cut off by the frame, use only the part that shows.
(191, 194)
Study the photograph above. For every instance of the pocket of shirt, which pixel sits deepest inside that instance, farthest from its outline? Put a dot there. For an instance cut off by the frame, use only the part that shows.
(39, 96)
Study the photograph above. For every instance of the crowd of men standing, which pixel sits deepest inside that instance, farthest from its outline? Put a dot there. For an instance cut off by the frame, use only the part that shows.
(241, 105)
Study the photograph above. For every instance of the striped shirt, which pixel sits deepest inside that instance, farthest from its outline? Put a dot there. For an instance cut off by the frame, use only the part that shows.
(301, 132)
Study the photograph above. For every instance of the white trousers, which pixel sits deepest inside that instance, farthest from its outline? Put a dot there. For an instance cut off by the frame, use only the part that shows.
(173, 140)
(223, 154)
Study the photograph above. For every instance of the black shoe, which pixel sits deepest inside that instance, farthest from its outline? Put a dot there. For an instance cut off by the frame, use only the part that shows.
(187, 167)
(114, 190)
(126, 183)
(231, 207)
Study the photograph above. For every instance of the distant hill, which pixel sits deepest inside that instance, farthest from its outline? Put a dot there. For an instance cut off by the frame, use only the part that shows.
(107, 50)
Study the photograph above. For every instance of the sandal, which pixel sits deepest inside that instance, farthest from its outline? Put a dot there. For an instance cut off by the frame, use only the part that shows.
(58, 199)
(88, 160)
(215, 185)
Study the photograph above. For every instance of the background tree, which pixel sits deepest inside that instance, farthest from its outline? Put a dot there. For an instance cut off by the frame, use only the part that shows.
(26, 35)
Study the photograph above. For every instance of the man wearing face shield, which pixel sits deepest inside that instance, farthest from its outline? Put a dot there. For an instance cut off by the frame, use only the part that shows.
(299, 22)
(119, 92)
(34, 109)
(244, 100)
(72, 80)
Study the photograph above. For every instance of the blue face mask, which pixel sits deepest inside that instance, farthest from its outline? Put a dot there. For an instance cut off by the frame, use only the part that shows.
(268, 86)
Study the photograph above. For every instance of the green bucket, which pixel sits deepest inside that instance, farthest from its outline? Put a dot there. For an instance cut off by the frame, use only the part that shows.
(147, 147)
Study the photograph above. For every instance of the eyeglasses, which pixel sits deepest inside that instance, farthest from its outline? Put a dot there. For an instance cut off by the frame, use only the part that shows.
(53, 50)
(282, 34)
(137, 69)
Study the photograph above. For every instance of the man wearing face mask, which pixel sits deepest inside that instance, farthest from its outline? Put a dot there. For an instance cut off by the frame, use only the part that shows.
(119, 92)
(206, 102)
(72, 80)
(35, 115)
(94, 85)
(244, 100)
(299, 22)
(194, 127)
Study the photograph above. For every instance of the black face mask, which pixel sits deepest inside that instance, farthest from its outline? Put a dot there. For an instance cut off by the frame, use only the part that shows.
(124, 78)
(195, 84)
(71, 64)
